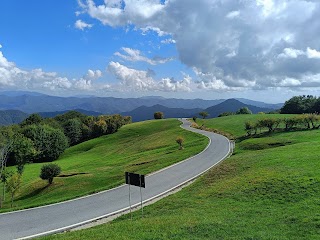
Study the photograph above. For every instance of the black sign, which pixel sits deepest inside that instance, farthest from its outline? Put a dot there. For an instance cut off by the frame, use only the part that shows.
(135, 179)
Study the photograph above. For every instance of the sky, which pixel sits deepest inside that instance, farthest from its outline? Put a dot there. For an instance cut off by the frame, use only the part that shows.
(267, 50)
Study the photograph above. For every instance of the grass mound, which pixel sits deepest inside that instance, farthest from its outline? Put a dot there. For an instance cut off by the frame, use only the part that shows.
(100, 163)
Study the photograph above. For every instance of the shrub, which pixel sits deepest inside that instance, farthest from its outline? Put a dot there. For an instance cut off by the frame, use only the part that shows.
(49, 171)
(158, 115)
(180, 140)
(244, 110)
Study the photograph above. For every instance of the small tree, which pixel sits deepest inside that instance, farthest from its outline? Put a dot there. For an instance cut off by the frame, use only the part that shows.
(180, 140)
(158, 115)
(13, 185)
(49, 171)
(203, 114)
(194, 119)
(244, 110)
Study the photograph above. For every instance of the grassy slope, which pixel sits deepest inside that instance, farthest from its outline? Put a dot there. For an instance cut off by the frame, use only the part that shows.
(235, 124)
(140, 147)
(270, 193)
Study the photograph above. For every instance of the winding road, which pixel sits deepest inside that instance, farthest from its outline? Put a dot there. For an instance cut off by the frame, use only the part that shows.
(65, 215)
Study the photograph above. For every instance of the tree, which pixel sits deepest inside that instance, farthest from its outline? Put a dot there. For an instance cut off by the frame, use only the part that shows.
(49, 171)
(4, 179)
(194, 119)
(13, 185)
(300, 104)
(244, 110)
(224, 114)
(158, 115)
(32, 119)
(48, 142)
(203, 114)
(73, 130)
(180, 140)
(22, 152)
(5, 148)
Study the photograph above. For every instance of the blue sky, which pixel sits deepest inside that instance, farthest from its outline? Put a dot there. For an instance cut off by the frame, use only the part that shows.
(266, 50)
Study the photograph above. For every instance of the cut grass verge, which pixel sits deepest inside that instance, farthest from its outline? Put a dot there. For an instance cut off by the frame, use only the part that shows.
(100, 163)
(266, 192)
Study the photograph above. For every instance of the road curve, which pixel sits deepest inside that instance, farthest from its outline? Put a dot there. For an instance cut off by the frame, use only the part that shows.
(58, 217)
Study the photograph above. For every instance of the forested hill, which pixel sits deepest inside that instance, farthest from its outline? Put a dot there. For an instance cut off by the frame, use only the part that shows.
(8, 117)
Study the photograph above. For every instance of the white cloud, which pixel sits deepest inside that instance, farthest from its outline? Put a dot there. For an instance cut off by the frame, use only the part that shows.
(93, 74)
(312, 53)
(138, 80)
(0, 46)
(291, 53)
(79, 24)
(168, 41)
(267, 43)
(134, 55)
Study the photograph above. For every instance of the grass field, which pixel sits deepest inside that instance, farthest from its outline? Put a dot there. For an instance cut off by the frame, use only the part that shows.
(269, 189)
(100, 163)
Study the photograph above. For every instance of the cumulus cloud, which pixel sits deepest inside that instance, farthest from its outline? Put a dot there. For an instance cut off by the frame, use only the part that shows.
(39, 80)
(79, 24)
(134, 55)
(138, 80)
(238, 44)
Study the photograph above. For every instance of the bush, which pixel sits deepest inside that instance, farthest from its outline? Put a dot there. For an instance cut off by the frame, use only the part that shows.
(244, 110)
(180, 140)
(158, 115)
(49, 171)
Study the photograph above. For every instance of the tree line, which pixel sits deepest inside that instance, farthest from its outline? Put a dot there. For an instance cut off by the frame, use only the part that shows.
(304, 121)
(38, 139)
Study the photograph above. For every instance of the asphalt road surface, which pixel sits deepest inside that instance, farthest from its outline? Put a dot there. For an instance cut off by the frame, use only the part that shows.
(62, 216)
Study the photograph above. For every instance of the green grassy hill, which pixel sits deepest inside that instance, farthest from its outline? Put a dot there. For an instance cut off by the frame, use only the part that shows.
(269, 189)
(100, 163)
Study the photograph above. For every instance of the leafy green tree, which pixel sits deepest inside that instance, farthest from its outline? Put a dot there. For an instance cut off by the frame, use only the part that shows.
(48, 142)
(22, 152)
(203, 114)
(244, 110)
(13, 185)
(99, 128)
(158, 115)
(32, 119)
(73, 130)
(50, 171)
(299, 104)
(194, 119)
(269, 123)
(4, 179)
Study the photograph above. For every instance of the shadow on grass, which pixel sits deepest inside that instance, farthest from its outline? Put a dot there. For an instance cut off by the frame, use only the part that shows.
(33, 193)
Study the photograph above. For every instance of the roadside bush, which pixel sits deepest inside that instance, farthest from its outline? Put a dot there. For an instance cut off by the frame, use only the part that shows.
(49, 171)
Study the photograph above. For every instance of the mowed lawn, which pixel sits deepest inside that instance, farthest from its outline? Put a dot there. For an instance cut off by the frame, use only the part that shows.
(269, 189)
(100, 163)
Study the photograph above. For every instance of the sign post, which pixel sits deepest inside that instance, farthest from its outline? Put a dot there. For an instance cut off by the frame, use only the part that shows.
(135, 180)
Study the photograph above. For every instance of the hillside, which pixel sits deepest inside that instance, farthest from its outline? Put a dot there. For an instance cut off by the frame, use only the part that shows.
(8, 117)
(146, 113)
(232, 105)
(100, 163)
(270, 192)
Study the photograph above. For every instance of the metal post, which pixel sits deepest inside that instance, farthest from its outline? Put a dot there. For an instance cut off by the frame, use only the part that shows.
(141, 198)
(129, 196)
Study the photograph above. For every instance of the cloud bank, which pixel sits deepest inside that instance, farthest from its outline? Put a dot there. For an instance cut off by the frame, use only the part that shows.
(231, 45)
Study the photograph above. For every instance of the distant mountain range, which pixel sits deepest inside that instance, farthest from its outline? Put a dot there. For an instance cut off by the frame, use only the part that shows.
(21, 104)
(35, 102)
(230, 105)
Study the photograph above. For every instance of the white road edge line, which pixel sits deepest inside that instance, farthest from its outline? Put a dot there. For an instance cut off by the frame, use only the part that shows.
(133, 206)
